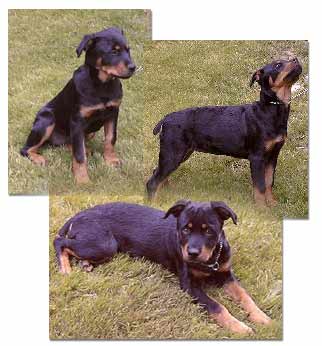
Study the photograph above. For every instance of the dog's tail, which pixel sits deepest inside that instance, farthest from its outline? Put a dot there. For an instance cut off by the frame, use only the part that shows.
(63, 231)
(158, 127)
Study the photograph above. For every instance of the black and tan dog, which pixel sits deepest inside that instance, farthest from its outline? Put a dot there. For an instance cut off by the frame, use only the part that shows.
(89, 101)
(254, 131)
(188, 239)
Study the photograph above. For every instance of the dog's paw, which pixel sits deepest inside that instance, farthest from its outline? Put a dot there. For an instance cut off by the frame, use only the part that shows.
(271, 201)
(80, 173)
(112, 160)
(38, 159)
(259, 317)
(85, 265)
(229, 322)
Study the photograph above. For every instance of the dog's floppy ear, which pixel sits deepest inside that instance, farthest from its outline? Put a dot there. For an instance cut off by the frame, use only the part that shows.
(85, 43)
(224, 211)
(177, 208)
(257, 76)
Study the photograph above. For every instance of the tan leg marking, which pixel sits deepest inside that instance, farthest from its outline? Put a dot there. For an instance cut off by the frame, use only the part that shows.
(259, 197)
(64, 262)
(240, 296)
(32, 152)
(228, 321)
(109, 153)
(270, 199)
(80, 170)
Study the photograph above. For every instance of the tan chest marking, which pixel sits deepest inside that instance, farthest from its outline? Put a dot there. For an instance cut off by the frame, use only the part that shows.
(199, 274)
(87, 111)
(270, 143)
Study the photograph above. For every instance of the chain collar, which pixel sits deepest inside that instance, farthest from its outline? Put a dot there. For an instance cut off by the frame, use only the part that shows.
(278, 103)
(214, 266)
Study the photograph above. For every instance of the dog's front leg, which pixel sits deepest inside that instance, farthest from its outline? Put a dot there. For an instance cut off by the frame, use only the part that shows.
(270, 167)
(216, 311)
(240, 296)
(257, 168)
(110, 133)
(79, 166)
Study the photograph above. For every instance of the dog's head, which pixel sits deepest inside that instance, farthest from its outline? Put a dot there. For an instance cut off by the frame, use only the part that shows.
(108, 52)
(277, 78)
(199, 227)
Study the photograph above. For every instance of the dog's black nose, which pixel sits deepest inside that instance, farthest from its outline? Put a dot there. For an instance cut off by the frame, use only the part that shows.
(193, 252)
(131, 67)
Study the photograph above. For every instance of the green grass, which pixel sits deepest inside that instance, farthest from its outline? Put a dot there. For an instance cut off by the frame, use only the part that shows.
(42, 59)
(131, 299)
(181, 74)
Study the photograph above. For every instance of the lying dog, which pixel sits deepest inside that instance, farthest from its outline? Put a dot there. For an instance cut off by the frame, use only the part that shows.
(188, 240)
(90, 100)
(254, 131)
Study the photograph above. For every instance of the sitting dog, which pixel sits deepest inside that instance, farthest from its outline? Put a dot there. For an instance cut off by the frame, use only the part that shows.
(188, 240)
(90, 100)
(254, 131)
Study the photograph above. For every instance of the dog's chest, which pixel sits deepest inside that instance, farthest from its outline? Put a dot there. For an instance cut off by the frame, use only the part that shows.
(99, 109)
(270, 143)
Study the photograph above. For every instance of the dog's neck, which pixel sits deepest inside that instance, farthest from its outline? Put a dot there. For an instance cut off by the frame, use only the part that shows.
(281, 96)
(277, 109)
(97, 78)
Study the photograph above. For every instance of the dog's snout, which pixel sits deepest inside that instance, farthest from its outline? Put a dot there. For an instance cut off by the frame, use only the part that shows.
(131, 67)
(193, 252)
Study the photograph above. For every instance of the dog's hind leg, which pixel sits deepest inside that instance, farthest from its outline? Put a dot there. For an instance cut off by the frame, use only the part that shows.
(170, 158)
(89, 251)
(40, 133)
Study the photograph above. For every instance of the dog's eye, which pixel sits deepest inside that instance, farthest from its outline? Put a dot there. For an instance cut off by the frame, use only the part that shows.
(186, 230)
(278, 65)
(208, 231)
(116, 51)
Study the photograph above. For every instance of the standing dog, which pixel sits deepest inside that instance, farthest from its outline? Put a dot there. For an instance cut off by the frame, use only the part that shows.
(90, 100)
(188, 239)
(254, 131)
